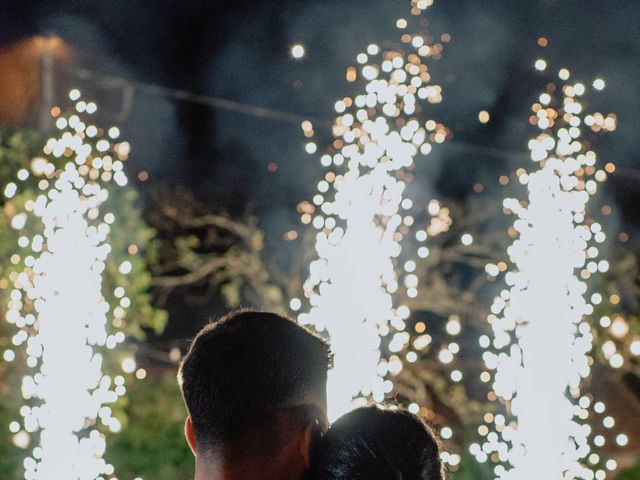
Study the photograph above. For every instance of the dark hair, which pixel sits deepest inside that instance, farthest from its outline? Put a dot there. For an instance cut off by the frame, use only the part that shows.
(370, 443)
(243, 371)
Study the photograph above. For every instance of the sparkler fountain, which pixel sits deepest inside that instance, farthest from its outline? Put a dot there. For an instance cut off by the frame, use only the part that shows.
(360, 207)
(542, 335)
(57, 300)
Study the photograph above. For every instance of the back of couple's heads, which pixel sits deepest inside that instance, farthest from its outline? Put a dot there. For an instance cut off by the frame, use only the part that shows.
(252, 379)
(247, 373)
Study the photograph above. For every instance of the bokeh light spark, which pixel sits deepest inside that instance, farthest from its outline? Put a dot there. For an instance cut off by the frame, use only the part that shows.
(297, 51)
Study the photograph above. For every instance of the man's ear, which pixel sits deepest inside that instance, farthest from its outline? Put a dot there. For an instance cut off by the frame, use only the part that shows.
(310, 437)
(188, 433)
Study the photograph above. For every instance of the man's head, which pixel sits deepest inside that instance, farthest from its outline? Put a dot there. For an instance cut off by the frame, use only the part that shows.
(252, 381)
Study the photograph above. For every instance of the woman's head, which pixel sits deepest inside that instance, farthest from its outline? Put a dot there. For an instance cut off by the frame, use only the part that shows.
(374, 444)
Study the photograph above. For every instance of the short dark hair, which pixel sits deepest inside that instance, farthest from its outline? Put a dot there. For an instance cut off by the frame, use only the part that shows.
(377, 444)
(245, 369)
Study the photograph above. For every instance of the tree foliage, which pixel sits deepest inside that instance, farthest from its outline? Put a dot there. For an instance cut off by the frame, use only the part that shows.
(200, 251)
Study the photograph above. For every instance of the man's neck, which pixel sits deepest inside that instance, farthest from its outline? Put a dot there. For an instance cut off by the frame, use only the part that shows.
(257, 469)
(244, 473)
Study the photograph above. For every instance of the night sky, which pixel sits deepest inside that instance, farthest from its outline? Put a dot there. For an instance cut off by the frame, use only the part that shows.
(240, 51)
